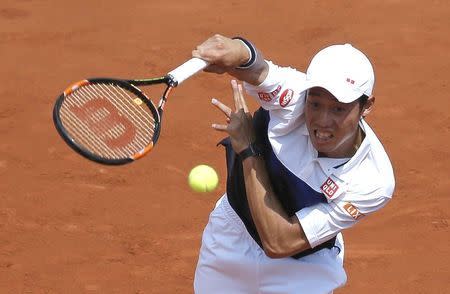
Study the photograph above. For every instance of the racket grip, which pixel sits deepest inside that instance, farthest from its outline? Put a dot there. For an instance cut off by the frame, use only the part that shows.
(187, 69)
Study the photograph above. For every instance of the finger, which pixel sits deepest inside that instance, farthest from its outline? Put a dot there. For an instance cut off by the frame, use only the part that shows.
(225, 109)
(214, 69)
(219, 127)
(242, 99)
(203, 53)
(199, 53)
(237, 100)
(196, 53)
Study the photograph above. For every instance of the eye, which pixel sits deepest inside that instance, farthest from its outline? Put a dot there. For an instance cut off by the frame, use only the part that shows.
(339, 109)
(313, 104)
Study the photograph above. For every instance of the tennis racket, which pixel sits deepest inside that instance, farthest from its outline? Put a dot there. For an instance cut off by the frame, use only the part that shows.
(112, 121)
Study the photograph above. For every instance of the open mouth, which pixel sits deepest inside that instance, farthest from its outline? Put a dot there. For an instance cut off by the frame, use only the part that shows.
(323, 136)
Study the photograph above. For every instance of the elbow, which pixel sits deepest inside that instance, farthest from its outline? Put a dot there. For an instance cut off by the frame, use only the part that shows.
(273, 255)
(280, 250)
(284, 241)
(272, 251)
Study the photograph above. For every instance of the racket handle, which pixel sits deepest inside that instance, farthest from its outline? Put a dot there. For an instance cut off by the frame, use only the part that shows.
(188, 69)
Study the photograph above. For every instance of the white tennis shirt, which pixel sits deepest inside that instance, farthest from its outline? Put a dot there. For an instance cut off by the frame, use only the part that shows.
(354, 187)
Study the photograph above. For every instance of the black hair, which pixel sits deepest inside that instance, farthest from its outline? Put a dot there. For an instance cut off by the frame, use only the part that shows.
(362, 100)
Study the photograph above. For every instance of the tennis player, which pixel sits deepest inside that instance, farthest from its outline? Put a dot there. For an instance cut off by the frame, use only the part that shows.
(301, 169)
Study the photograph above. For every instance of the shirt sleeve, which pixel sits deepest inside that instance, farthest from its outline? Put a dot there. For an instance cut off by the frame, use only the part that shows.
(283, 94)
(323, 221)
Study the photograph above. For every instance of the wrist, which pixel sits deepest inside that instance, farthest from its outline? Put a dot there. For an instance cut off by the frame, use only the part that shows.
(250, 55)
(251, 151)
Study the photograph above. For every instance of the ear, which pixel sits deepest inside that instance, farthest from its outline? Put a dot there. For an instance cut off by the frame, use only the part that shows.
(367, 108)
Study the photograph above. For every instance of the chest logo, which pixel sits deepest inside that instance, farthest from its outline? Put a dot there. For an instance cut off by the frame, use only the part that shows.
(286, 97)
(329, 187)
(353, 211)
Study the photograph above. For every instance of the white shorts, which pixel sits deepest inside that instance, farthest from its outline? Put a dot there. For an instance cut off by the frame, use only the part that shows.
(230, 261)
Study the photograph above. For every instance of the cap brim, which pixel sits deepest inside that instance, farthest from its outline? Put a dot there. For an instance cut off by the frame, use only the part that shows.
(342, 95)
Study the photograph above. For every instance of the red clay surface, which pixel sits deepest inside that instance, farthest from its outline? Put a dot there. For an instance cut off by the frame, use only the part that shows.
(68, 225)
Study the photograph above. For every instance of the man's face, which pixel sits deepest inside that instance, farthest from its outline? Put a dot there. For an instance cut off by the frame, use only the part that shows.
(332, 125)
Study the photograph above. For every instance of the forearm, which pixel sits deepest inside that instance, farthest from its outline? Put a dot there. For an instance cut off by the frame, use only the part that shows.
(280, 234)
(256, 73)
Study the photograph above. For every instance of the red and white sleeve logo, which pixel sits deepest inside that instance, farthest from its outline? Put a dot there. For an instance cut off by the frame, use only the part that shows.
(286, 97)
(268, 96)
(329, 187)
(276, 91)
(264, 96)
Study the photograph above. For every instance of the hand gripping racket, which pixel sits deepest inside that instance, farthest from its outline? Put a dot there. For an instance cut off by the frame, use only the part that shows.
(111, 121)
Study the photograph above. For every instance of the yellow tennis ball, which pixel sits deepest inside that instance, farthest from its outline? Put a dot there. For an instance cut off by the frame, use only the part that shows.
(203, 178)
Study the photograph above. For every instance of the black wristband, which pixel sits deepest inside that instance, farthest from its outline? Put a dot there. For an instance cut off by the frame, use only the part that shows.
(253, 53)
(251, 150)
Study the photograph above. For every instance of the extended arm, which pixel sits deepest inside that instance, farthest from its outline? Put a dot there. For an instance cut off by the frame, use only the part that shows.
(281, 235)
(226, 55)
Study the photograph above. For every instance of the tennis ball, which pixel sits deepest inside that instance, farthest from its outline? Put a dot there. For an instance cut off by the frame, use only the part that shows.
(203, 178)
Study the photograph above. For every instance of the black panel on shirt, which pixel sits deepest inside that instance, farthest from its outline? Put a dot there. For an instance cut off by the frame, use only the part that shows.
(293, 193)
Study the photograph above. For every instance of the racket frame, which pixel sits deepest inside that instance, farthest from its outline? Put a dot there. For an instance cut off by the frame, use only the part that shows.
(130, 85)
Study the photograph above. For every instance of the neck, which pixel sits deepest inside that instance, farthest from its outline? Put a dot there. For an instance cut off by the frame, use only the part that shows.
(358, 140)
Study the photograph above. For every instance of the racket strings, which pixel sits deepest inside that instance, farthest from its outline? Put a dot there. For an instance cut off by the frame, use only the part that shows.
(110, 130)
(119, 95)
(127, 108)
(108, 120)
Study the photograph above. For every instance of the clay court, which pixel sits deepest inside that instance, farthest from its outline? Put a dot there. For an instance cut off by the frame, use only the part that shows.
(68, 225)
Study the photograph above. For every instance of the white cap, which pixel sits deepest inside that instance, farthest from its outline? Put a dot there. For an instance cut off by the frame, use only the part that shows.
(342, 70)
